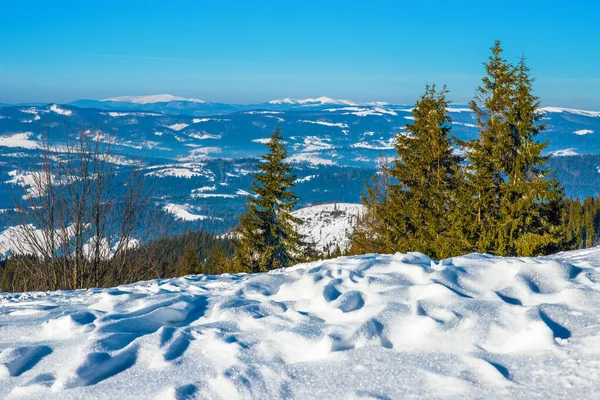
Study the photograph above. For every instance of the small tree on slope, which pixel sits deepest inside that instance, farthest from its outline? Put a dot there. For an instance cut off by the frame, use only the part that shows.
(268, 237)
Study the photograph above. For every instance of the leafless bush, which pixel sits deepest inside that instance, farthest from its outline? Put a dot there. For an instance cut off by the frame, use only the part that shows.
(81, 216)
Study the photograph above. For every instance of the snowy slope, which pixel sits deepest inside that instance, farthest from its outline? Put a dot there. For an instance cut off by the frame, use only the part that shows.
(329, 225)
(369, 327)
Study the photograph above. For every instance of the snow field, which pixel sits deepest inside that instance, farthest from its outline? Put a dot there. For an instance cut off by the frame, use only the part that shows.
(366, 327)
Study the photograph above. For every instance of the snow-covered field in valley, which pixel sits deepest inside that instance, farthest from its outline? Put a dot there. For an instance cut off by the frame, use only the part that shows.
(368, 327)
(330, 225)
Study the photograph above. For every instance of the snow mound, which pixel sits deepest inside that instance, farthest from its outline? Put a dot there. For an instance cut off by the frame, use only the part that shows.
(373, 326)
(329, 225)
(156, 98)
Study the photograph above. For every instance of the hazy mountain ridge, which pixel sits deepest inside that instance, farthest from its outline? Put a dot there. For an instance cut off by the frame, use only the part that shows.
(334, 134)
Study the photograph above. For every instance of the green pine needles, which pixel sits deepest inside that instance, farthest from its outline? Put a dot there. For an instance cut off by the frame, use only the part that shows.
(501, 199)
(267, 233)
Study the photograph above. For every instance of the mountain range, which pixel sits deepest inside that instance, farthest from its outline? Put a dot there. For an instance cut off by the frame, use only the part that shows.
(201, 155)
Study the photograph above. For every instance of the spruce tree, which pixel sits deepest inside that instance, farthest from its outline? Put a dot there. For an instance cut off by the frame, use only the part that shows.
(267, 233)
(189, 262)
(414, 212)
(492, 152)
(515, 205)
(369, 234)
(532, 199)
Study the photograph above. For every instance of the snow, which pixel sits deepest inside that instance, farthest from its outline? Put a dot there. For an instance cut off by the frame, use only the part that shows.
(583, 132)
(263, 112)
(212, 195)
(564, 152)
(323, 100)
(325, 123)
(61, 111)
(157, 98)
(203, 135)
(376, 111)
(305, 179)
(262, 140)
(205, 189)
(376, 144)
(559, 110)
(465, 124)
(314, 143)
(29, 180)
(373, 326)
(199, 120)
(175, 172)
(243, 193)
(201, 153)
(115, 114)
(316, 101)
(19, 140)
(313, 159)
(458, 109)
(329, 225)
(177, 127)
(182, 212)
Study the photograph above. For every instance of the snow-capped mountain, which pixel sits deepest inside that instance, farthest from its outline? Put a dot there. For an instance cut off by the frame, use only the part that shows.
(150, 99)
(368, 327)
(323, 100)
(329, 226)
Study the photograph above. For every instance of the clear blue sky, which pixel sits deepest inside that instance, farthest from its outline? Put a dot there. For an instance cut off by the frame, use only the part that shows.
(252, 51)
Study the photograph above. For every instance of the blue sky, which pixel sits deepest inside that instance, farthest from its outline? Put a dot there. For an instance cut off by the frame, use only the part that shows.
(253, 51)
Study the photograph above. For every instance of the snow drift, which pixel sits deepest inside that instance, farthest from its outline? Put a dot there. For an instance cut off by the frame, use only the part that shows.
(368, 327)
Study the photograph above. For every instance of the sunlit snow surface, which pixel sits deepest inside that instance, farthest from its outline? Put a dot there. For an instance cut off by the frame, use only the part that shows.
(369, 327)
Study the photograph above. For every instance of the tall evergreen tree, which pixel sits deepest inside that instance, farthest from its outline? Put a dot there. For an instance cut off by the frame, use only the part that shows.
(268, 236)
(415, 211)
(514, 203)
(492, 152)
(532, 200)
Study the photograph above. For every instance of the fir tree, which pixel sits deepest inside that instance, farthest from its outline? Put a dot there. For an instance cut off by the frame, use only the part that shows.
(515, 205)
(189, 262)
(493, 152)
(532, 200)
(369, 234)
(268, 236)
(414, 211)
